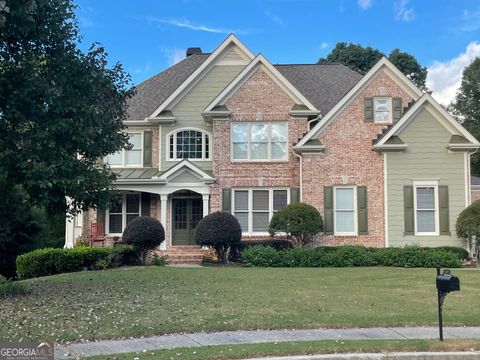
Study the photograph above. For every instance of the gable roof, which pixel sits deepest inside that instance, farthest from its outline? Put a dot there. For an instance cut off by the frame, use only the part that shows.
(382, 64)
(449, 122)
(155, 90)
(260, 62)
(185, 164)
(322, 84)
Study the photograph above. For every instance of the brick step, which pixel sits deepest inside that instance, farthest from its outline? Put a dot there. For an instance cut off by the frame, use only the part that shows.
(185, 258)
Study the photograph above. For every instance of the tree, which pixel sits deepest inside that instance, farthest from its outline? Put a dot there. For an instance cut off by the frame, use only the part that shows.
(301, 222)
(466, 106)
(220, 230)
(468, 225)
(362, 59)
(60, 109)
(144, 233)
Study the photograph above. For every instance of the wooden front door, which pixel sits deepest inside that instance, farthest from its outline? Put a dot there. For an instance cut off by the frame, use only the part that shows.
(186, 213)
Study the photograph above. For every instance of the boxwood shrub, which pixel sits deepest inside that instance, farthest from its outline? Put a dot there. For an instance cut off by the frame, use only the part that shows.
(349, 256)
(44, 262)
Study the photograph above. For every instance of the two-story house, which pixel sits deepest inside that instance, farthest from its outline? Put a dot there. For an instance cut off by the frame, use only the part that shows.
(382, 161)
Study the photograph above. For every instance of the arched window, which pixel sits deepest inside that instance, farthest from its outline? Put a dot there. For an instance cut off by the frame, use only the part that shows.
(189, 144)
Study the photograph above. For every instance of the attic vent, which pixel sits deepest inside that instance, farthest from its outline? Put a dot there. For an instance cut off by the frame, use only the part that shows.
(193, 50)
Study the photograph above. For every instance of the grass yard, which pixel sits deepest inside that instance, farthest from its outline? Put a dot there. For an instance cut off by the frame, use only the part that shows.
(231, 352)
(158, 300)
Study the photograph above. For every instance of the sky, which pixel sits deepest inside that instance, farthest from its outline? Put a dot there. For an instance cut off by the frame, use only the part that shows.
(147, 36)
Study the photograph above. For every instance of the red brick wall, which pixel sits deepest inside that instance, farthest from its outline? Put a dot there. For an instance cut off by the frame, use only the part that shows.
(348, 153)
(259, 94)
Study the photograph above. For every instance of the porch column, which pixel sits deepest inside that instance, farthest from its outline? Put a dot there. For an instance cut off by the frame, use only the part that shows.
(205, 197)
(163, 218)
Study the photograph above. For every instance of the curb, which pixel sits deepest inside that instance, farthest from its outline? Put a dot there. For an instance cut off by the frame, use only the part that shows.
(460, 355)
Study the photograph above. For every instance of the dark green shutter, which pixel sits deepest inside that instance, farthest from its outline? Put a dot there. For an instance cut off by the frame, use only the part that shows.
(443, 210)
(227, 200)
(362, 209)
(328, 209)
(294, 195)
(147, 149)
(397, 108)
(408, 210)
(101, 216)
(145, 204)
(368, 109)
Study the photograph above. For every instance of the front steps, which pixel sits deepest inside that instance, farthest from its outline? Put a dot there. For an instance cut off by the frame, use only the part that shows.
(185, 254)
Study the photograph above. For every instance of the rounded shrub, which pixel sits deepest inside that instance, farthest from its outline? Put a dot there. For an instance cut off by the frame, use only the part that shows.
(220, 230)
(144, 233)
(468, 222)
(299, 221)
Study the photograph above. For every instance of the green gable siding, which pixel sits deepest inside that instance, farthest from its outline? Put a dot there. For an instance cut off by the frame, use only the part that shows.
(189, 108)
(426, 158)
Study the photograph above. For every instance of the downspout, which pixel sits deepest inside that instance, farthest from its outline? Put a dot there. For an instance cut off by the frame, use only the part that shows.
(301, 173)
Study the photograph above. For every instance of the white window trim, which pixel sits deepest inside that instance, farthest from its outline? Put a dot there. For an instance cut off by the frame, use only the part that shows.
(355, 211)
(124, 165)
(124, 213)
(250, 207)
(433, 184)
(269, 142)
(174, 133)
(390, 110)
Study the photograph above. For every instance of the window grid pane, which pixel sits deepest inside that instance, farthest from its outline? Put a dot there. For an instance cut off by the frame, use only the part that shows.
(260, 199)
(279, 199)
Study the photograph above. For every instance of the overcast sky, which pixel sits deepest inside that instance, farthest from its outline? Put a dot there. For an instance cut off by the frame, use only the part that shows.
(149, 35)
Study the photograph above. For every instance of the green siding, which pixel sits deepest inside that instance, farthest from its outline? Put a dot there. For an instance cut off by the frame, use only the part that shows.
(188, 110)
(426, 158)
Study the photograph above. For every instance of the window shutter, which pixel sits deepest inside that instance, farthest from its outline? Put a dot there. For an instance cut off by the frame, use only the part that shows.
(294, 195)
(368, 109)
(227, 200)
(362, 210)
(408, 210)
(147, 149)
(397, 108)
(100, 216)
(443, 210)
(145, 204)
(328, 209)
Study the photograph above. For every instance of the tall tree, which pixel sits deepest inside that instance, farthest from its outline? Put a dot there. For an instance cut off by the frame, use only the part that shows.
(466, 105)
(60, 108)
(362, 59)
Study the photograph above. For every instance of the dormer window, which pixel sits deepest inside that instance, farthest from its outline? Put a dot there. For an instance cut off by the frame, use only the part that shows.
(189, 144)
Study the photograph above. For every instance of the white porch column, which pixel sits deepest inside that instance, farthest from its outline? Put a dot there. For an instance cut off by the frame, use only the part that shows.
(205, 197)
(163, 218)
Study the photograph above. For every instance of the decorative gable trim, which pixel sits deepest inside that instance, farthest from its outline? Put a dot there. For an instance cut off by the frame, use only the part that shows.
(182, 166)
(231, 40)
(441, 115)
(260, 62)
(383, 65)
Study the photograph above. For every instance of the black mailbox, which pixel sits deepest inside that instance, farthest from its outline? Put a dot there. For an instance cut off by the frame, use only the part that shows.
(446, 283)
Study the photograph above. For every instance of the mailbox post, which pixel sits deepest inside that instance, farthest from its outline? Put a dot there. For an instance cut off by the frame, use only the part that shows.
(446, 283)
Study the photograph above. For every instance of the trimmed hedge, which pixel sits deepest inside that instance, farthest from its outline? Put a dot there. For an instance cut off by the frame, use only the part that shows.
(44, 262)
(349, 256)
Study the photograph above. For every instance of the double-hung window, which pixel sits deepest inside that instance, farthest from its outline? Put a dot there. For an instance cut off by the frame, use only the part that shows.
(125, 208)
(254, 208)
(382, 107)
(426, 208)
(254, 141)
(128, 158)
(189, 144)
(344, 200)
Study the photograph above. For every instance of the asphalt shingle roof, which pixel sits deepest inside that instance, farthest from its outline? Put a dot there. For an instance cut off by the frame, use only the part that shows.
(322, 84)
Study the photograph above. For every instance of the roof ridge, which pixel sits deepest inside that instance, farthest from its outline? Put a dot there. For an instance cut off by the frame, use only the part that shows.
(329, 63)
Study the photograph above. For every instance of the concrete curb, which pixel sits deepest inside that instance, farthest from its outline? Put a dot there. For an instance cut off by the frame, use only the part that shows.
(468, 355)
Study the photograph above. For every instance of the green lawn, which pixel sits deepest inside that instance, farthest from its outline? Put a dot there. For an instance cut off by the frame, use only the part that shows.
(224, 352)
(156, 300)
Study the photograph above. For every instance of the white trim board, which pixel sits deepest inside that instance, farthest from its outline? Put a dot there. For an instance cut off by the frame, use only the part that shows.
(224, 46)
(383, 65)
(260, 62)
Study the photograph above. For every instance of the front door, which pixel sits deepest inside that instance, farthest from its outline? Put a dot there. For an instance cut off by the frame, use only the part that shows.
(186, 213)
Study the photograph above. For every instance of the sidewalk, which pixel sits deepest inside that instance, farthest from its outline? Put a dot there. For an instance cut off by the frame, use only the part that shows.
(107, 347)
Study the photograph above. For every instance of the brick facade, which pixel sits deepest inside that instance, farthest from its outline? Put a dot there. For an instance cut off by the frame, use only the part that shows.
(349, 159)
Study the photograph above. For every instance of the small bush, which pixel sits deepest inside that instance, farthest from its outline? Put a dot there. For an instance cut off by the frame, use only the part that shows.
(44, 262)
(349, 256)
(10, 288)
(299, 221)
(144, 233)
(159, 260)
(220, 230)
